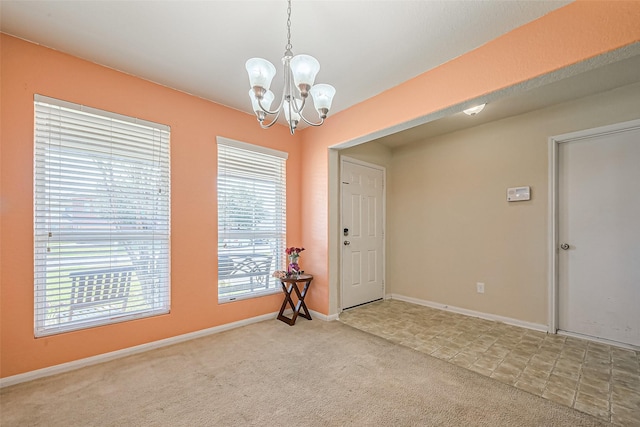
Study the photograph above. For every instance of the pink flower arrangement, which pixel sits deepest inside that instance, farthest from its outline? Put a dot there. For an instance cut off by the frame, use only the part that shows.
(293, 268)
(294, 251)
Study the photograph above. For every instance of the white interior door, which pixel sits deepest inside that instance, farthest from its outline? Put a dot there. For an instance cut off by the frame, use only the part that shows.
(599, 236)
(362, 233)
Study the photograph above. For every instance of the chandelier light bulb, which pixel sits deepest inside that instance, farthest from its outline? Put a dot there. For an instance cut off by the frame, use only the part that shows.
(304, 69)
(290, 111)
(322, 95)
(261, 72)
(266, 101)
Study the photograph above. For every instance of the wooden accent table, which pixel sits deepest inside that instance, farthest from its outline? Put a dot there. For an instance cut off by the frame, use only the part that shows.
(290, 284)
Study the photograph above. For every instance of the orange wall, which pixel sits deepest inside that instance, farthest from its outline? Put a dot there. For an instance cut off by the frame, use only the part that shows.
(566, 36)
(28, 69)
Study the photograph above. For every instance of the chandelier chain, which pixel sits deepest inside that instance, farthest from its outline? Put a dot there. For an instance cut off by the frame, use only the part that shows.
(288, 46)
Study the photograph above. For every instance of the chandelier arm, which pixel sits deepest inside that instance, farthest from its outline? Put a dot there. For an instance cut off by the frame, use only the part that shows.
(288, 92)
(289, 89)
(264, 110)
(310, 123)
(273, 122)
(295, 106)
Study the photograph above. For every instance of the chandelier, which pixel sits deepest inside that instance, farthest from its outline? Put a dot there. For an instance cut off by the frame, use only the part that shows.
(299, 75)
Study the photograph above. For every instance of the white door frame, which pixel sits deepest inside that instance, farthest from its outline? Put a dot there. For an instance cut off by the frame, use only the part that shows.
(344, 159)
(553, 243)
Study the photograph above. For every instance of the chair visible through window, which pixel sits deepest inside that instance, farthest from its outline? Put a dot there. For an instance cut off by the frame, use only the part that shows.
(100, 290)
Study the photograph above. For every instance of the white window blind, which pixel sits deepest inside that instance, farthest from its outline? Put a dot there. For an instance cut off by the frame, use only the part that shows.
(251, 219)
(101, 217)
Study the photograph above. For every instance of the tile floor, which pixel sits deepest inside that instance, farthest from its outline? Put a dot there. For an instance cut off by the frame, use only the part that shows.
(598, 379)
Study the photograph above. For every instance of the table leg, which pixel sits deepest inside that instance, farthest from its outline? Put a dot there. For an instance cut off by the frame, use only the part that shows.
(287, 299)
(293, 287)
(301, 304)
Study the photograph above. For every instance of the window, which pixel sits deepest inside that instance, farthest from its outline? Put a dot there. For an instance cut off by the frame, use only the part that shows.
(101, 217)
(251, 219)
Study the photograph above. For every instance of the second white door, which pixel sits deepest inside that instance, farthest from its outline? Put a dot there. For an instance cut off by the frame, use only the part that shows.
(599, 235)
(362, 233)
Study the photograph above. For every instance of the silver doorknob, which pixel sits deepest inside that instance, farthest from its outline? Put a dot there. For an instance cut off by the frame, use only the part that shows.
(347, 243)
(564, 246)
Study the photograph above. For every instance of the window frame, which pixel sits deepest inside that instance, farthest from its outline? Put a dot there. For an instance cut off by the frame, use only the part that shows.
(139, 224)
(277, 253)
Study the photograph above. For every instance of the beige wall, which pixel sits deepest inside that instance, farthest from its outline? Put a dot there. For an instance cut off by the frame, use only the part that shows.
(450, 226)
(372, 152)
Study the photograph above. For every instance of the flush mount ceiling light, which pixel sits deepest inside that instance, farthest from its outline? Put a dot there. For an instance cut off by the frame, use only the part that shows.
(474, 110)
(299, 74)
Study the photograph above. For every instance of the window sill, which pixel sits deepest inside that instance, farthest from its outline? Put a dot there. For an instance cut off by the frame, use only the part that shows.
(227, 299)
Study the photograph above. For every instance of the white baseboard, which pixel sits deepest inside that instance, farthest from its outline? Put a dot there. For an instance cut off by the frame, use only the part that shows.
(101, 358)
(325, 317)
(487, 316)
(315, 315)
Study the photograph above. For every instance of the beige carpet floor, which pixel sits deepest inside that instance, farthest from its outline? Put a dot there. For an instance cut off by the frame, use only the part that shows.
(270, 374)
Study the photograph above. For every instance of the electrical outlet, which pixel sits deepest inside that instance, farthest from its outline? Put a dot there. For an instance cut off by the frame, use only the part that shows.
(480, 287)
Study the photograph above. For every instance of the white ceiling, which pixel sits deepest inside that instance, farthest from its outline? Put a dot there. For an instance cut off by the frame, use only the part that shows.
(200, 47)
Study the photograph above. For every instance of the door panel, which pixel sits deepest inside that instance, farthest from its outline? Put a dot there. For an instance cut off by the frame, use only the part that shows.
(362, 249)
(599, 218)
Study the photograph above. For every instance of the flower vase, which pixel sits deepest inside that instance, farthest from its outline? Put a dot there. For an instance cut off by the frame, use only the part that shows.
(294, 267)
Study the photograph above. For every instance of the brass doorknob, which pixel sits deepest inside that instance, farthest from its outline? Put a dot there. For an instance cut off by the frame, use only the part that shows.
(347, 243)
